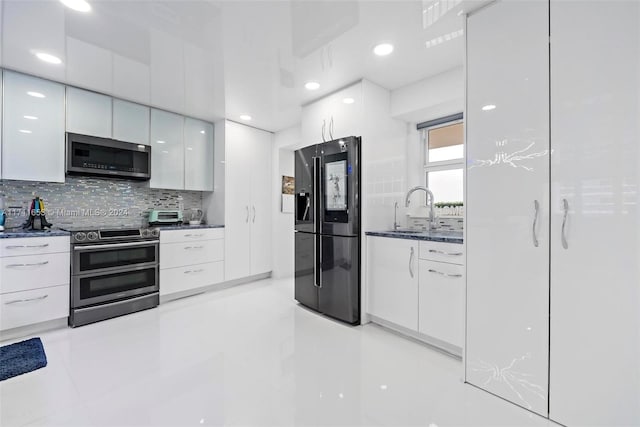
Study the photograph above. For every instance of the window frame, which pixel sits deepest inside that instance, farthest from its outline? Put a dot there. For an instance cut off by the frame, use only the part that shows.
(442, 165)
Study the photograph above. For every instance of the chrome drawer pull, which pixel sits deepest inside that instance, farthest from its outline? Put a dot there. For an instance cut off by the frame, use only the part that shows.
(435, 251)
(27, 246)
(444, 274)
(15, 301)
(35, 264)
(193, 235)
(194, 271)
(193, 247)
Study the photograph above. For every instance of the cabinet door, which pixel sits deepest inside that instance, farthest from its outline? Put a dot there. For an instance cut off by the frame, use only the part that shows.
(33, 139)
(88, 113)
(167, 150)
(237, 201)
(507, 174)
(261, 197)
(595, 303)
(393, 280)
(441, 306)
(345, 111)
(130, 122)
(313, 117)
(198, 155)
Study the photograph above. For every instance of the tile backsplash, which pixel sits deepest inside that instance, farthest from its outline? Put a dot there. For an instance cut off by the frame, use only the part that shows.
(88, 201)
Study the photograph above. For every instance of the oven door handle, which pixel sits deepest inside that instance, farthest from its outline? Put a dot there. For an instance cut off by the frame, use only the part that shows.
(116, 245)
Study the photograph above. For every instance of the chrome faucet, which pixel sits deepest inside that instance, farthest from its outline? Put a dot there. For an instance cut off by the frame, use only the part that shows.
(395, 216)
(432, 215)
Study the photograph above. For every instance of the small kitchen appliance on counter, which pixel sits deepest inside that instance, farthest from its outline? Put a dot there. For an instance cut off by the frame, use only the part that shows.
(113, 272)
(195, 216)
(165, 217)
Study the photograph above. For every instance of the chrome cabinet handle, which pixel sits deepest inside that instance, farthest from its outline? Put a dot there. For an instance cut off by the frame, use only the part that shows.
(536, 207)
(254, 214)
(27, 246)
(331, 128)
(324, 124)
(411, 262)
(194, 271)
(435, 251)
(563, 235)
(15, 301)
(35, 264)
(444, 274)
(193, 247)
(247, 218)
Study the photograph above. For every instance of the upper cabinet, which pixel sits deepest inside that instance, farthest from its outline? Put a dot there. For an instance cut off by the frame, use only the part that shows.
(198, 155)
(33, 137)
(88, 113)
(167, 150)
(130, 122)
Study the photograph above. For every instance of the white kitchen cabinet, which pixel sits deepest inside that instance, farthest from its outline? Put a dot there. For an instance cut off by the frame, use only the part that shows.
(167, 150)
(88, 113)
(332, 116)
(190, 259)
(247, 201)
(198, 155)
(33, 131)
(507, 182)
(441, 301)
(131, 122)
(34, 280)
(393, 280)
(595, 137)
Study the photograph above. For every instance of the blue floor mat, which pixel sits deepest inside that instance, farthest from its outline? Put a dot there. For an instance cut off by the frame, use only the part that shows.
(21, 357)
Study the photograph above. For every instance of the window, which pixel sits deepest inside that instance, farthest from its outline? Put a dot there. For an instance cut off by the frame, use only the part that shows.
(444, 160)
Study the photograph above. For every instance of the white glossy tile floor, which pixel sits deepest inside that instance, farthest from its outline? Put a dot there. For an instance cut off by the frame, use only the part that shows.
(248, 355)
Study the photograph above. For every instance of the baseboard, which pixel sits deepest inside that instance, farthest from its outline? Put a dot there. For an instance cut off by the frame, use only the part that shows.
(210, 288)
(34, 329)
(436, 344)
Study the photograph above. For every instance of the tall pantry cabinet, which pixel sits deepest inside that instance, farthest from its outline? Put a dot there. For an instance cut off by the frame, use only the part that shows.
(553, 227)
(247, 201)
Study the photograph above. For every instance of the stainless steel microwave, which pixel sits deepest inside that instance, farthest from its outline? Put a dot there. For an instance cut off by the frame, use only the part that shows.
(91, 155)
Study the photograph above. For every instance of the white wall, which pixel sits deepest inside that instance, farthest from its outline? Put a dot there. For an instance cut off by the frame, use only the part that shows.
(284, 144)
(431, 98)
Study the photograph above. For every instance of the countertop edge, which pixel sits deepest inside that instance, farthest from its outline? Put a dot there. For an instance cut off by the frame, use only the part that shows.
(392, 235)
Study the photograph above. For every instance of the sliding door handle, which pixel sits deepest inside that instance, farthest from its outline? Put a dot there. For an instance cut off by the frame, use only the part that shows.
(563, 231)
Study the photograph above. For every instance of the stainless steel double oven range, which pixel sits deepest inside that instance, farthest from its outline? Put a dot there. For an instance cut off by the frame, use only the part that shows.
(113, 272)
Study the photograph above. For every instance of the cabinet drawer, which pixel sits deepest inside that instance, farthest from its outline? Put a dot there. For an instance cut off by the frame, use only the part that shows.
(189, 253)
(444, 252)
(34, 245)
(195, 276)
(21, 273)
(28, 307)
(173, 236)
(441, 296)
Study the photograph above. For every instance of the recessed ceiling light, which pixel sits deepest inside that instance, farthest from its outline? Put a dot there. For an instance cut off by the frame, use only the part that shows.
(189, 148)
(202, 132)
(245, 117)
(35, 94)
(312, 85)
(165, 151)
(78, 5)
(25, 131)
(489, 107)
(160, 142)
(46, 57)
(348, 100)
(30, 117)
(383, 49)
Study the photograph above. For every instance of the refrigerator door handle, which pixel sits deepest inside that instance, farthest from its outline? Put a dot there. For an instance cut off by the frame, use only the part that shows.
(315, 262)
(320, 264)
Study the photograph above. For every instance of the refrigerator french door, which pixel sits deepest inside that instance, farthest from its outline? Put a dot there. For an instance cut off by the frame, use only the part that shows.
(327, 226)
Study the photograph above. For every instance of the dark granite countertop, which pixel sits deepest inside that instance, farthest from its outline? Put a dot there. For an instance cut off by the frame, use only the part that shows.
(19, 232)
(433, 236)
(189, 227)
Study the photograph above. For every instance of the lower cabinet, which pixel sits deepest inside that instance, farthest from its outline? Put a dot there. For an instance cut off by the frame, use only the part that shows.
(190, 259)
(393, 280)
(34, 280)
(417, 287)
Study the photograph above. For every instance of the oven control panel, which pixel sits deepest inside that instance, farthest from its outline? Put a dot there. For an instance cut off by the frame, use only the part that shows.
(120, 234)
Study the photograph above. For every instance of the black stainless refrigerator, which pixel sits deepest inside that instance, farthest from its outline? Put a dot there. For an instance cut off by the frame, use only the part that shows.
(327, 228)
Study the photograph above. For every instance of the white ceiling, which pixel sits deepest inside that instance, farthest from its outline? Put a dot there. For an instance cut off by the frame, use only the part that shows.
(215, 59)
